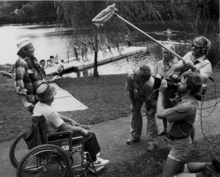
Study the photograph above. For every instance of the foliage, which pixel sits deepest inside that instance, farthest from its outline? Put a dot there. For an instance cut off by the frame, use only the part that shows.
(201, 17)
(79, 14)
(27, 11)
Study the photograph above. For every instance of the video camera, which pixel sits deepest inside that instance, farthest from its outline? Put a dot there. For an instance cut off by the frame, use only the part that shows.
(173, 84)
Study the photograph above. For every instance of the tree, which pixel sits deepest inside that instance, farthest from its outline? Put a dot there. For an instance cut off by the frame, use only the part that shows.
(79, 14)
(201, 17)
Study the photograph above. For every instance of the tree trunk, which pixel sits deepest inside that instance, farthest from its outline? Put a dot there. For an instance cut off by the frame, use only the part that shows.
(95, 72)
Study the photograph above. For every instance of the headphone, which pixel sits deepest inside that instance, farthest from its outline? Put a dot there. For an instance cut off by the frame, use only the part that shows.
(204, 49)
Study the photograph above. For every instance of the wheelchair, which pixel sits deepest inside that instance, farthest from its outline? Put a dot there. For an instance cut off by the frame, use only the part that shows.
(60, 155)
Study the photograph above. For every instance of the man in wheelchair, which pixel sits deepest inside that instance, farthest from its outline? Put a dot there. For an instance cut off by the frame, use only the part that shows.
(56, 122)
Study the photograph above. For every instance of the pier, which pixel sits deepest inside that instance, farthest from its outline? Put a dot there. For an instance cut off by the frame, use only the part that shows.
(103, 58)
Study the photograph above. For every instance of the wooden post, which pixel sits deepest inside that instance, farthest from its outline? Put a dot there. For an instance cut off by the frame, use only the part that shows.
(95, 72)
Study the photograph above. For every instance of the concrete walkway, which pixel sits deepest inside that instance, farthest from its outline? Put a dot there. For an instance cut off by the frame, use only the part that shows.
(112, 136)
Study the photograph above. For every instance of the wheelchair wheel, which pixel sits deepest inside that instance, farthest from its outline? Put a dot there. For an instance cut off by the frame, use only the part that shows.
(44, 161)
(79, 173)
(18, 150)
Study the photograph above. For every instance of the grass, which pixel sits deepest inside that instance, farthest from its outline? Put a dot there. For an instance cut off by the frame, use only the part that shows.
(152, 164)
(107, 100)
(105, 96)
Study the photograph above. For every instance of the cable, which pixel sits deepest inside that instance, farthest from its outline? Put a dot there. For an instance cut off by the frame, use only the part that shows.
(211, 106)
(201, 123)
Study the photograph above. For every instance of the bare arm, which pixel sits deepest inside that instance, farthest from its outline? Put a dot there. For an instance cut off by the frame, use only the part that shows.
(66, 127)
(160, 106)
(179, 66)
(67, 119)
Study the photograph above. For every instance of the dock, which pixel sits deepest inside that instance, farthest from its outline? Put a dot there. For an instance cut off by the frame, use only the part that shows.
(103, 58)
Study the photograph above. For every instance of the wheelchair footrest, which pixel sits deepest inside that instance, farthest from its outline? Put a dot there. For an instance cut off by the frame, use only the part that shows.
(95, 169)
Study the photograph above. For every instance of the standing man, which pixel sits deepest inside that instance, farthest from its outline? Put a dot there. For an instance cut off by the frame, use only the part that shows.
(75, 49)
(181, 119)
(28, 74)
(127, 40)
(165, 68)
(196, 60)
(140, 86)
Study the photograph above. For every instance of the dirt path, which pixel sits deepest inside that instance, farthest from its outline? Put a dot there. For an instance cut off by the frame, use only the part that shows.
(112, 136)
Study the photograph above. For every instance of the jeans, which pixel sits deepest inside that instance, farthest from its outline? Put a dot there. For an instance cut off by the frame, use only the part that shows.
(137, 122)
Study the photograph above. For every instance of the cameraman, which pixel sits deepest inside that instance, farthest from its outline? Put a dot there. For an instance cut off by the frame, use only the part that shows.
(181, 119)
(196, 59)
(140, 86)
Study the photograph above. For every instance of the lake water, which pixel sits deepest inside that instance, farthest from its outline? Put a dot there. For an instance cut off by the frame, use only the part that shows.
(48, 42)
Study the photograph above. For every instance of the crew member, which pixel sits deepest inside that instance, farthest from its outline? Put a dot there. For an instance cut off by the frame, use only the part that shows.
(181, 119)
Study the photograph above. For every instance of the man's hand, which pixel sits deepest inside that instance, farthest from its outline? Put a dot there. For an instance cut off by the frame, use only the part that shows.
(85, 132)
(29, 106)
(189, 64)
(74, 123)
(163, 85)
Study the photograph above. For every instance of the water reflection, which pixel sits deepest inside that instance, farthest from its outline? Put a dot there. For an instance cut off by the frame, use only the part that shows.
(47, 42)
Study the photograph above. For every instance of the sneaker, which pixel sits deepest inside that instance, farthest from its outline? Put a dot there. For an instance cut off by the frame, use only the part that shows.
(99, 162)
(98, 155)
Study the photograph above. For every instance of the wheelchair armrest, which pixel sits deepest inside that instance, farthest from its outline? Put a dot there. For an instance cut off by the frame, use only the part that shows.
(60, 133)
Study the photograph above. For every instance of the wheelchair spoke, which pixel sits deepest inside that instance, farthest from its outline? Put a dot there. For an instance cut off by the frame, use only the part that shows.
(45, 163)
(18, 150)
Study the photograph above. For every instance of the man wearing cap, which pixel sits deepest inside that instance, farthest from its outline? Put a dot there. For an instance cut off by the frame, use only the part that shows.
(140, 88)
(28, 73)
(56, 122)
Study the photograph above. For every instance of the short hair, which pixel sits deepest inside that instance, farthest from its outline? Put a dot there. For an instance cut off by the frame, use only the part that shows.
(204, 43)
(194, 81)
(146, 71)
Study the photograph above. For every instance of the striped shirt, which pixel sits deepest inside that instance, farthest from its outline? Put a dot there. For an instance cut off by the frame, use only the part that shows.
(28, 76)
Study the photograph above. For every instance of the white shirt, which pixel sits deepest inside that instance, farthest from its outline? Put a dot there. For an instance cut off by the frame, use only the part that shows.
(203, 65)
(53, 119)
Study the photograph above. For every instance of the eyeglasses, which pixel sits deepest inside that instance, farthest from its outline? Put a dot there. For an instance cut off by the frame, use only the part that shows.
(196, 47)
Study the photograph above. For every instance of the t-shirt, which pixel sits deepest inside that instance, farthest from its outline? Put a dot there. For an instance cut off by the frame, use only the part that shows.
(164, 71)
(181, 117)
(141, 91)
(202, 64)
(53, 119)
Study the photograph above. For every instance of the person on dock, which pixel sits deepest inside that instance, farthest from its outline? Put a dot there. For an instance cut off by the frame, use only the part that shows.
(139, 85)
(84, 52)
(127, 40)
(28, 73)
(75, 49)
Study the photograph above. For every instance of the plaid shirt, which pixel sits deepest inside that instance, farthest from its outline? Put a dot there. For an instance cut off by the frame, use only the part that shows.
(28, 76)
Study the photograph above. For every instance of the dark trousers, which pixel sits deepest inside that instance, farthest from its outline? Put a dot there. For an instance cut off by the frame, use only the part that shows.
(91, 145)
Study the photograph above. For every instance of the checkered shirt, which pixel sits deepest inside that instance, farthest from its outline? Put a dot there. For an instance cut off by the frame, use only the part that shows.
(27, 78)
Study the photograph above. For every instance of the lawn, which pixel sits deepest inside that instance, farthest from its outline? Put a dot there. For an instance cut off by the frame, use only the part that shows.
(105, 96)
(107, 100)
